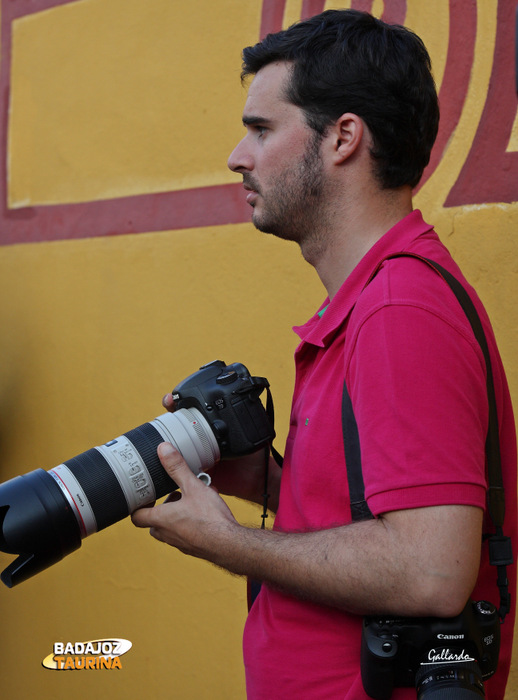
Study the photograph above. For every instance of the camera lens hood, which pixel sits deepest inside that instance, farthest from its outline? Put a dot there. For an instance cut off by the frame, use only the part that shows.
(37, 523)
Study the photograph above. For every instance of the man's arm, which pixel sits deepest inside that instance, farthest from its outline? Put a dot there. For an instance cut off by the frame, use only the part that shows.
(411, 562)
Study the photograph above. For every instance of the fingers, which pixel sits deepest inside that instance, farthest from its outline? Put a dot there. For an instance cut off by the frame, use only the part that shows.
(175, 465)
(178, 470)
(144, 517)
(169, 403)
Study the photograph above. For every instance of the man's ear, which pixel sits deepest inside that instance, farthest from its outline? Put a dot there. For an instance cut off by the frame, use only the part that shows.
(347, 134)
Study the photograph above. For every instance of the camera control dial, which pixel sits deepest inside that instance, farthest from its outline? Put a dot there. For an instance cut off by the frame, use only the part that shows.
(227, 377)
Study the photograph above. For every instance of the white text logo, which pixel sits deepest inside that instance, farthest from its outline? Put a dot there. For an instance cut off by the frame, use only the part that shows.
(95, 655)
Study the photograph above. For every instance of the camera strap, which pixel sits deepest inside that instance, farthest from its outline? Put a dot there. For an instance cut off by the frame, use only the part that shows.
(253, 587)
(500, 550)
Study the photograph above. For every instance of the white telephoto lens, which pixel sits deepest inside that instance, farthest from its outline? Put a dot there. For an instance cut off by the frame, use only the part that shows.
(112, 480)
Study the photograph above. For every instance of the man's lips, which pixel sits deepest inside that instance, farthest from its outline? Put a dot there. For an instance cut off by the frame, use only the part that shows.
(251, 196)
(252, 191)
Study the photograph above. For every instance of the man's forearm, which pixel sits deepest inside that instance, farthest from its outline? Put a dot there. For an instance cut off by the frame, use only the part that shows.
(364, 568)
(410, 562)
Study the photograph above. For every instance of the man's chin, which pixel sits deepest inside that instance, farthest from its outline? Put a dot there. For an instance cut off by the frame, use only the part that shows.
(264, 226)
(273, 229)
(260, 222)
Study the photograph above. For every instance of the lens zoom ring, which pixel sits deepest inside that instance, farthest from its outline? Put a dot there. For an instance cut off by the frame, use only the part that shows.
(146, 439)
(101, 487)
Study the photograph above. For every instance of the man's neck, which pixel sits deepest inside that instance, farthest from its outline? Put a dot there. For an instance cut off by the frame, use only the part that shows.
(352, 236)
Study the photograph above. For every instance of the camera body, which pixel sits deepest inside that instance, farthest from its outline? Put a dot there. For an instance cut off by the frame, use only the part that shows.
(431, 653)
(228, 398)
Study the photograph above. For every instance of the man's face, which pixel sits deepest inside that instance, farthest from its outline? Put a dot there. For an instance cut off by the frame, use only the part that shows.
(279, 159)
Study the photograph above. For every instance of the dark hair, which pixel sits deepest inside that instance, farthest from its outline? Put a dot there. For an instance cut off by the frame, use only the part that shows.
(348, 61)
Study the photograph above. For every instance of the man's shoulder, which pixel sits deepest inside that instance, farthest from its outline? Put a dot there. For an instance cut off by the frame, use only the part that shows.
(419, 292)
(408, 280)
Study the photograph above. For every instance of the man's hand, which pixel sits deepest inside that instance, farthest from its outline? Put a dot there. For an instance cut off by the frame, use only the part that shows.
(198, 521)
(243, 477)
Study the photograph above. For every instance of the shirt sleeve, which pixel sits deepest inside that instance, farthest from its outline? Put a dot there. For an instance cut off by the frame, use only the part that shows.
(417, 385)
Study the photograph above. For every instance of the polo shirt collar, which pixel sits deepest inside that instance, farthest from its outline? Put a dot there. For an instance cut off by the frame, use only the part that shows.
(321, 327)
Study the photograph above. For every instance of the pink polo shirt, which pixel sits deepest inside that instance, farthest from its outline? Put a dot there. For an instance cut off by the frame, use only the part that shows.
(416, 377)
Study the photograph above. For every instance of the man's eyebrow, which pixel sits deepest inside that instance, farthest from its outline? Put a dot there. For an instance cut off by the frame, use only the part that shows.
(251, 120)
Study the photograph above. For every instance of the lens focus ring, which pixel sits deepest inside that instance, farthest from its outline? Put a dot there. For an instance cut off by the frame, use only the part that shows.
(448, 681)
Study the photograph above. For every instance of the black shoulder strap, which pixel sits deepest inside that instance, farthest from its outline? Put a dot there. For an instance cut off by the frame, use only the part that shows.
(353, 461)
(500, 550)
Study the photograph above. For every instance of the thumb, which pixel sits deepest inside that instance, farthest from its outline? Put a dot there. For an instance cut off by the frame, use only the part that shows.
(175, 465)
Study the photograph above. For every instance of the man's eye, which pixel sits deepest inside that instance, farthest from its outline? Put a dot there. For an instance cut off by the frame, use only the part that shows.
(261, 130)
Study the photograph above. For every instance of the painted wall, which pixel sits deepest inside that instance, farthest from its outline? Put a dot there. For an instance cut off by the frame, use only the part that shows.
(127, 261)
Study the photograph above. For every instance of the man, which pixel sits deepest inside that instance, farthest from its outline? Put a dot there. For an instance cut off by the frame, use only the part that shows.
(340, 120)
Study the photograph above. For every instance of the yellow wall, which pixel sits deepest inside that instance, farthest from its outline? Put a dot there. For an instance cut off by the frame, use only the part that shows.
(113, 98)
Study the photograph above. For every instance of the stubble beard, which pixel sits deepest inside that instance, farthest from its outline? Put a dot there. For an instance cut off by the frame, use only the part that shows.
(294, 206)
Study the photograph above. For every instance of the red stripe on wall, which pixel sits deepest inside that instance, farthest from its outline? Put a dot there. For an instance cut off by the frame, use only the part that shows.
(204, 206)
(311, 8)
(271, 16)
(490, 174)
(394, 12)
(362, 5)
(457, 73)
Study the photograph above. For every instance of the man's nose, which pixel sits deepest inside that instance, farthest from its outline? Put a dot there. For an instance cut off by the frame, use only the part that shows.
(240, 160)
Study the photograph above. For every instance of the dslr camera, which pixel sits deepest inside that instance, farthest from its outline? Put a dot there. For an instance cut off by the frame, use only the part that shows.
(44, 515)
(442, 658)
